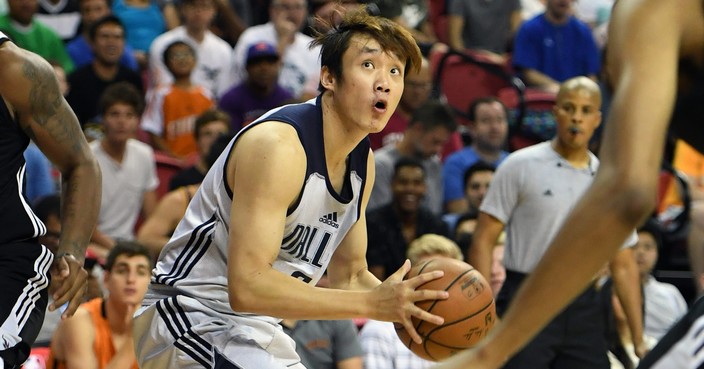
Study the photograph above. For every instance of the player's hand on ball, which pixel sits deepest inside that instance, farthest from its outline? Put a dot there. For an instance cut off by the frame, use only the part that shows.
(68, 283)
(396, 299)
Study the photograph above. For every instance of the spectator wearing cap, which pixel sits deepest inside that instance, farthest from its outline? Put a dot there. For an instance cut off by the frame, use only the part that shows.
(300, 64)
(260, 91)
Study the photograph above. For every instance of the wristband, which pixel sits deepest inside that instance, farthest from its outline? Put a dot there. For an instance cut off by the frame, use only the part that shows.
(62, 254)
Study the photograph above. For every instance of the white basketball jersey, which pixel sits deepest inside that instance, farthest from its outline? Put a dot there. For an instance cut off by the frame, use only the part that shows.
(194, 261)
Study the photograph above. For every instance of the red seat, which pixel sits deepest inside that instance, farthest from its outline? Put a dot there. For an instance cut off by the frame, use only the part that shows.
(38, 358)
(461, 77)
(166, 167)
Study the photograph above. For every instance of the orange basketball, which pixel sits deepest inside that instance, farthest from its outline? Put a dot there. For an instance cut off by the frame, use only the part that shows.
(469, 311)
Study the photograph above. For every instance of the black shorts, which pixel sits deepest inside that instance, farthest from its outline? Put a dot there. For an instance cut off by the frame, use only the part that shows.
(24, 272)
(574, 339)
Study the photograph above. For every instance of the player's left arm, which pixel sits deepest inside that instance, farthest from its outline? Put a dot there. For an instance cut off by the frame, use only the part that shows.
(624, 272)
(348, 265)
(30, 88)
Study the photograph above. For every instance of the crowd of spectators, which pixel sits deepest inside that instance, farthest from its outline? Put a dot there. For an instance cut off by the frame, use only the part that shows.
(154, 79)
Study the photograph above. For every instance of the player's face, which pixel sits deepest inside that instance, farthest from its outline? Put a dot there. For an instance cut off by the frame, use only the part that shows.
(109, 43)
(209, 133)
(120, 121)
(645, 252)
(370, 87)
(128, 279)
(477, 186)
(577, 115)
(408, 186)
(490, 128)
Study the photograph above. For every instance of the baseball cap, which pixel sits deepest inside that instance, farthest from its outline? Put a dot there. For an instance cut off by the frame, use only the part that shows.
(261, 50)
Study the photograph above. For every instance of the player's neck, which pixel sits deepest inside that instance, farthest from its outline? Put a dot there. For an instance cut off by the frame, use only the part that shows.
(339, 139)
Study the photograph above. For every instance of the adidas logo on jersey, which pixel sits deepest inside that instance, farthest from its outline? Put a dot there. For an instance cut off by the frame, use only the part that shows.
(330, 219)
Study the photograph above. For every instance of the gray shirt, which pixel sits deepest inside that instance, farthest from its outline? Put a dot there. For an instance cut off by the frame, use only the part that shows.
(487, 23)
(384, 160)
(322, 344)
(532, 193)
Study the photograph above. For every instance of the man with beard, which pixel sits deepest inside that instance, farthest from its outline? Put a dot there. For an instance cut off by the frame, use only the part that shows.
(488, 128)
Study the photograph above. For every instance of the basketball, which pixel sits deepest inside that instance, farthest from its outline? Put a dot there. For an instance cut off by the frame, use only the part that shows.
(469, 311)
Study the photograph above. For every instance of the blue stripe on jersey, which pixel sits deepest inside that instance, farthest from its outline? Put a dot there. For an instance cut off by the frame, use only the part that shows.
(180, 327)
(197, 245)
(34, 287)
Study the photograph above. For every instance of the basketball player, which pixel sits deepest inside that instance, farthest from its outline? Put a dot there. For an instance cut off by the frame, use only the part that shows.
(656, 66)
(32, 107)
(285, 201)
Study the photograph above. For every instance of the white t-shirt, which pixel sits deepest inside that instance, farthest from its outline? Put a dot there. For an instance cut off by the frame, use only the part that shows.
(212, 69)
(300, 69)
(124, 185)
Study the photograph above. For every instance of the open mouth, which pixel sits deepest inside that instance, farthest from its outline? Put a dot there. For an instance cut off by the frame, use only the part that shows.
(380, 105)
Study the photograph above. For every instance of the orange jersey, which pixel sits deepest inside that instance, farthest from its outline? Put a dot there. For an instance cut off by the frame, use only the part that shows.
(103, 347)
(171, 113)
(688, 161)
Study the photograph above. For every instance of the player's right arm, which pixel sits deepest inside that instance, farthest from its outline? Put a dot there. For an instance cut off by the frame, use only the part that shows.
(484, 239)
(30, 88)
(77, 339)
(266, 172)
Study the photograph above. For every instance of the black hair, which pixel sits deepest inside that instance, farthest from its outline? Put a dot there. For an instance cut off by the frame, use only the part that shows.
(169, 47)
(653, 227)
(108, 19)
(406, 161)
(129, 248)
(121, 92)
(217, 148)
(434, 113)
(480, 166)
